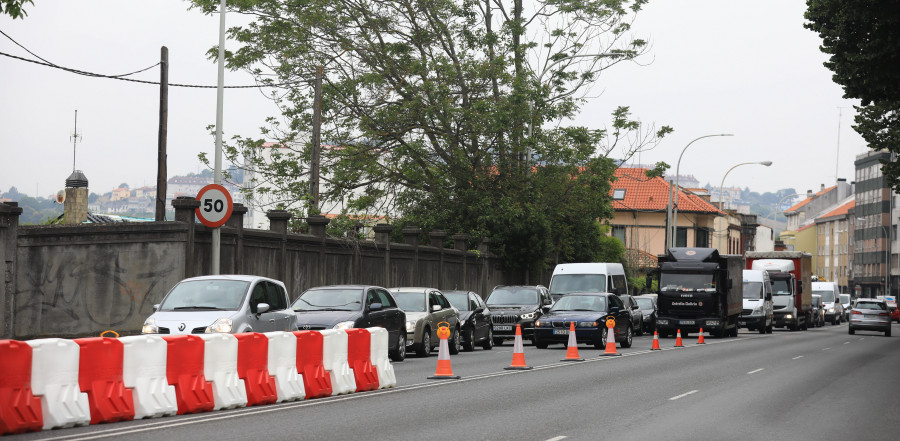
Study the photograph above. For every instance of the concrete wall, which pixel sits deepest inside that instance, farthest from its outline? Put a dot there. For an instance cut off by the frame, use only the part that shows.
(78, 280)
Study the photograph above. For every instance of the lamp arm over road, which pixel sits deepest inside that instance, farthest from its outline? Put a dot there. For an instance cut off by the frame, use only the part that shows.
(722, 203)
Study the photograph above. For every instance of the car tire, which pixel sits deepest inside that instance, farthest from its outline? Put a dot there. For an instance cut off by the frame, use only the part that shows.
(762, 328)
(851, 331)
(834, 321)
(399, 354)
(540, 344)
(489, 341)
(454, 342)
(639, 330)
(424, 348)
(469, 344)
(770, 329)
(629, 335)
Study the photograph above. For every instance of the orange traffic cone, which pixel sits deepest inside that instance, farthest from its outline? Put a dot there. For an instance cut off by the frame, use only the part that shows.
(700, 340)
(518, 360)
(443, 371)
(655, 346)
(572, 349)
(610, 339)
(678, 340)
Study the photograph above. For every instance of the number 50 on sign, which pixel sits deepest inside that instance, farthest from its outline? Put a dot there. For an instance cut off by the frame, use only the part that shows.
(215, 205)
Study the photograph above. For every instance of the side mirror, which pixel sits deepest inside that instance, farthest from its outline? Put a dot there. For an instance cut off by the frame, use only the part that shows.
(435, 308)
(156, 307)
(546, 302)
(376, 307)
(545, 309)
(478, 310)
(613, 309)
(262, 307)
(635, 307)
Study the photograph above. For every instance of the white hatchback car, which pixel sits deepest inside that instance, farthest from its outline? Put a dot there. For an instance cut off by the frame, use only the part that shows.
(223, 303)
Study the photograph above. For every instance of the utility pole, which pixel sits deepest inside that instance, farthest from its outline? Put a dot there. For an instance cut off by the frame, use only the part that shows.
(161, 158)
(316, 144)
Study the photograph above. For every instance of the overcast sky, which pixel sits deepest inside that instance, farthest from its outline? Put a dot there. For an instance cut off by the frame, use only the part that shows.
(740, 67)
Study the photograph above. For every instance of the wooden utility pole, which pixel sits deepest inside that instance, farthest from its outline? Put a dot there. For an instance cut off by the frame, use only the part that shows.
(316, 144)
(163, 133)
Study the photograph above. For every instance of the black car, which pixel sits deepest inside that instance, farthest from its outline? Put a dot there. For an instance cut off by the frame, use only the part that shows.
(589, 312)
(648, 308)
(516, 305)
(474, 319)
(637, 316)
(353, 306)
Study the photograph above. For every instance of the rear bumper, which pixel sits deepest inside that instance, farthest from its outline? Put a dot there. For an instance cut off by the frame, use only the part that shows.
(561, 335)
(708, 324)
(869, 325)
(509, 331)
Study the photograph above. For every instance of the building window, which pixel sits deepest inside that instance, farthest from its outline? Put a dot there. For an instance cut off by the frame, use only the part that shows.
(619, 194)
(681, 237)
(618, 231)
(702, 239)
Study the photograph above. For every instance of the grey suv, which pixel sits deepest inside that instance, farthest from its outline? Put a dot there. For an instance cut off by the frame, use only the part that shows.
(516, 305)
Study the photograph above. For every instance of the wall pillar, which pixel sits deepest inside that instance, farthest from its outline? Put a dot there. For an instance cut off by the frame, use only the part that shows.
(383, 236)
(185, 207)
(460, 243)
(278, 221)
(437, 241)
(318, 226)
(9, 232)
(411, 237)
(236, 221)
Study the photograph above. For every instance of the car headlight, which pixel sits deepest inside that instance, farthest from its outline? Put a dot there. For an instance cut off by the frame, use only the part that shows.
(150, 326)
(788, 316)
(222, 325)
(344, 325)
(757, 311)
(587, 324)
(538, 323)
(411, 326)
(831, 310)
(530, 315)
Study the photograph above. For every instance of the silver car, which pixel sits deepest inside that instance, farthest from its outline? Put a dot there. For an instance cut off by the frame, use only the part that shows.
(870, 315)
(223, 303)
(426, 309)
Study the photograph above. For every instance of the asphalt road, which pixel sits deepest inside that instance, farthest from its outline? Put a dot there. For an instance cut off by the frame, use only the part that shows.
(820, 384)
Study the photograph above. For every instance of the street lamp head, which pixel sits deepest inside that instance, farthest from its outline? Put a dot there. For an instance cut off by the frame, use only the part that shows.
(766, 163)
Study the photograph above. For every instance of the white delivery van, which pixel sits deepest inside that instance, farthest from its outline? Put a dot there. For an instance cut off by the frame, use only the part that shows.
(588, 277)
(834, 311)
(758, 313)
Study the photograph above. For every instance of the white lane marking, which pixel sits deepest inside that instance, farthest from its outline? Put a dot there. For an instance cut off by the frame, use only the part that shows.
(799, 356)
(683, 395)
(846, 342)
(826, 349)
(557, 438)
(755, 371)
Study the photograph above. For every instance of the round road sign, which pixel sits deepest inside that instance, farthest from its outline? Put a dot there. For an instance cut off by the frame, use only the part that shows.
(215, 205)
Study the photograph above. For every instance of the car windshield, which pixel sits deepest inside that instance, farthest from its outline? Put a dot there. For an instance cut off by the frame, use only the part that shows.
(410, 301)
(459, 300)
(567, 283)
(327, 299)
(845, 298)
(781, 287)
(206, 295)
(513, 296)
(827, 296)
(580, 303)
(871, 305)
(753, 290)
(687, 282)
(644, 303)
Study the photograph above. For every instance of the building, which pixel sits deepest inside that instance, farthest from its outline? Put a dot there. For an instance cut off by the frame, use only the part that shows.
(804, 211)
(833, 245)
(874, 257)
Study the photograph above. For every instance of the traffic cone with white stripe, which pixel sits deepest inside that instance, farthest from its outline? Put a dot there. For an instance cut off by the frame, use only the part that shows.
(700, 340)
(518, 360)
(655, 346)
(444, 371)
(610, 339)
(572, 349)
(678, 340)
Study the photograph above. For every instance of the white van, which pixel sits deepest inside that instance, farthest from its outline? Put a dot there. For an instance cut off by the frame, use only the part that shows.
(588, 277)
(834, 311)
(758, 313)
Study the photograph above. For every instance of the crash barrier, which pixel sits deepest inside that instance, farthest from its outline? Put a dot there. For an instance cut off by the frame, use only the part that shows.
(54, 383)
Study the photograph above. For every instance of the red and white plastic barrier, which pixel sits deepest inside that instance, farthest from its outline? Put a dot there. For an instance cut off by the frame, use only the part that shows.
(54, 383)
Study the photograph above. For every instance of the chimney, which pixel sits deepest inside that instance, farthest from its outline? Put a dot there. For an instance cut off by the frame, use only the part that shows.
(808, 194)
(76, 204)
(843, 189)
(822, 188)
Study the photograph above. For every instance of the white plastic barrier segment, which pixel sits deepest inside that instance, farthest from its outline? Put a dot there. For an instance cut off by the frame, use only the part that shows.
(54, 378)
(334, 357)
(379, 356)
(144, 372)
(283, 366)
(220, 368)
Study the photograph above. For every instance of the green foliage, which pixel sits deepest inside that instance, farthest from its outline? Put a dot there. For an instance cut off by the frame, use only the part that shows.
(864, 47)
(14, 8)
(639, 285)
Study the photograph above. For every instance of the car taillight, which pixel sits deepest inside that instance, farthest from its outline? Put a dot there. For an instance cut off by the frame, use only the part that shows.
(855, 312)
(883, 313)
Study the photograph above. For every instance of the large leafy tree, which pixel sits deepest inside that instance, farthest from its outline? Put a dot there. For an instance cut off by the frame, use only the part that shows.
(446, 113)
(861, 37)
(14, 8)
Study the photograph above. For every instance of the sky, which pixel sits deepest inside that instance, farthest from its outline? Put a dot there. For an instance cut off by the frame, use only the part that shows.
(745, 68)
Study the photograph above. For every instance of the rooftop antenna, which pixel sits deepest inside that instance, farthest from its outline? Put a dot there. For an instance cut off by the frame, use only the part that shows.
(75, 137)
(838, 153)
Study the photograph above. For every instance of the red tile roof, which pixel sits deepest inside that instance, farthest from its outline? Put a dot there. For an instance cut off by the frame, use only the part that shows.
(842, 210)
(809, 199)
(652, 194)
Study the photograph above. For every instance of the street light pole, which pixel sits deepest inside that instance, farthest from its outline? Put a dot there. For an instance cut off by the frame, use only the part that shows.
(765, 163)
(672, 211)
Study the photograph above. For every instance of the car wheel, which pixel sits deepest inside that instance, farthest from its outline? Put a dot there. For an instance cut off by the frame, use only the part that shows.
(469, 344)
(424, 348)
(834, 321)
(639, 331)
(770, 329)
(851, 331)
(540, 344)
(489, 341)
(399, 354)
(629, 335)
(454, 342)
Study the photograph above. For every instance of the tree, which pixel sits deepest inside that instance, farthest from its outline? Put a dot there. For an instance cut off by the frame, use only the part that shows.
(861, 37)
(450, 114)
(14, 8)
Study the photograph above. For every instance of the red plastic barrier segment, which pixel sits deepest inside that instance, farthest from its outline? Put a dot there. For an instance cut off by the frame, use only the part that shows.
(100, 377)
(359, 356)
(253, 368)
(310, 364)
(20, 410)
(184, 370)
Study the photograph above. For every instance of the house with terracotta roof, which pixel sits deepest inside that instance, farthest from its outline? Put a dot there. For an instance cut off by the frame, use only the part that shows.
(640, 205)
(816, 203)
(833, 244)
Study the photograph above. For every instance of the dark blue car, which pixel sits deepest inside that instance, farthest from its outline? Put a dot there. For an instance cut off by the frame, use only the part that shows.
(589, 311)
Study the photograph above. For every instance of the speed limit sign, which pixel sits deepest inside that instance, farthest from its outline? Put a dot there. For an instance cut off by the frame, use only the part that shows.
(215, 205)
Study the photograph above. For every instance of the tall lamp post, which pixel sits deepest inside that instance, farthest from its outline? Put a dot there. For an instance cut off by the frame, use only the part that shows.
(672, 210)
(887, 257)
(722, 185)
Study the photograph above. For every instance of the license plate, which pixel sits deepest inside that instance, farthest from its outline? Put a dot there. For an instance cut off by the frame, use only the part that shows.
(561, 331)
(685, 322)
(502, 328)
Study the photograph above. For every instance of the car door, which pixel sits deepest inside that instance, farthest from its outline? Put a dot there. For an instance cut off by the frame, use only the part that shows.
(393, 319)
(378, 317)
(283, 318)
(623, 317)
(479, 323)
(264, 322)
(447, 313)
